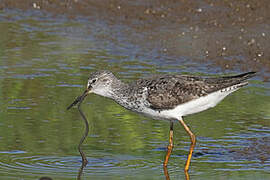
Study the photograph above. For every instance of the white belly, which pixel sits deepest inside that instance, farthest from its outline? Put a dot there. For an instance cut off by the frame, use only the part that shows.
(191, 107)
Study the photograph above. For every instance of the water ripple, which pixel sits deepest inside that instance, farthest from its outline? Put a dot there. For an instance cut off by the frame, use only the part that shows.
(61, 166)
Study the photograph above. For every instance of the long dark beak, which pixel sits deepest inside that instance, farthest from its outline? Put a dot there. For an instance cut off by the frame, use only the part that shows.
(79, 98)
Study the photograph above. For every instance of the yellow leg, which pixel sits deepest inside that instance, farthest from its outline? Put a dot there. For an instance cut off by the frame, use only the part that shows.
(192, 145)
(170, 146)
(166, 173)
(186, 175)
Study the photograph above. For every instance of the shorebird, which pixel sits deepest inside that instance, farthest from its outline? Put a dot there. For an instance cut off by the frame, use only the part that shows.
(166, 97)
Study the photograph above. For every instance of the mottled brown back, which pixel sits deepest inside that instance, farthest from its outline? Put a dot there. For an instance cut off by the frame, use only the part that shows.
(168, 91)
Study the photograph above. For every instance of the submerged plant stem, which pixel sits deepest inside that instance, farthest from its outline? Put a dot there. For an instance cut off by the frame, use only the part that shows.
(84, 160)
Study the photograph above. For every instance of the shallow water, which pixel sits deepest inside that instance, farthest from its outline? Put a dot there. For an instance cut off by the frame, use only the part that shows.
(45, 62)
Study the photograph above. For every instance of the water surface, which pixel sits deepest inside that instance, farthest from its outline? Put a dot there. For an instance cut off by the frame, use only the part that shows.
(45, 63)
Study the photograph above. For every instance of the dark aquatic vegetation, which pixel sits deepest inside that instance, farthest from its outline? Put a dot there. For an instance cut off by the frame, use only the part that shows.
(45, 178)
(79, 100)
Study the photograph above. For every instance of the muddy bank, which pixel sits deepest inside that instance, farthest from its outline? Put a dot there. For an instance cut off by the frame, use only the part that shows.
(232, 35)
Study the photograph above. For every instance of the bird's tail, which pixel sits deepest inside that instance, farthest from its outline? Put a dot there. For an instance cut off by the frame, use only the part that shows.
(242, 77)
(228, 81)
(237, 80)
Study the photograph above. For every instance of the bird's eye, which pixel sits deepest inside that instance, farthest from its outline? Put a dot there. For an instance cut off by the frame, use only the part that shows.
(94, 80)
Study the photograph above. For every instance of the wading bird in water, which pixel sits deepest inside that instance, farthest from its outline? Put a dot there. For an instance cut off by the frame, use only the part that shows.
(166, 97)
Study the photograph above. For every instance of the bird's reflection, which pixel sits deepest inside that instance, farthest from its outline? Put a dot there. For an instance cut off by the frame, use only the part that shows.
(167, 176)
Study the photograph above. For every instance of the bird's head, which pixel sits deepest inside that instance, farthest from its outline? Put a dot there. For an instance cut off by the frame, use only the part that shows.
(100, 83)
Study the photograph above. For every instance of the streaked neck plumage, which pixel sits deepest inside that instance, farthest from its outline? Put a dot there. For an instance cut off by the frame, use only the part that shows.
(112, 90)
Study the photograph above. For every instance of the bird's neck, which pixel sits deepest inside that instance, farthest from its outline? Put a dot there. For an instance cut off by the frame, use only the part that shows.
(118, 89)
(120, 92)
